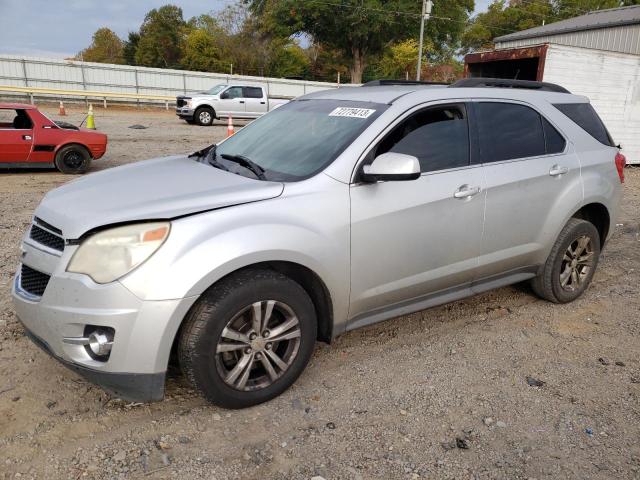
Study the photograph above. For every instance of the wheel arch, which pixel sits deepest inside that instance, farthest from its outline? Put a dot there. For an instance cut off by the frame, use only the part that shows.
(597, 214)
(309, 280)
(205, 106)
(72, 143)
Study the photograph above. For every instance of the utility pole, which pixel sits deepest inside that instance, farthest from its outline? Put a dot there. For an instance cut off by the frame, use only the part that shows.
(427, 5)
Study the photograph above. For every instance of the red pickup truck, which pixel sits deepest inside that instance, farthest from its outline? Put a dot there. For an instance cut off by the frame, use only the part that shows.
(29, 139)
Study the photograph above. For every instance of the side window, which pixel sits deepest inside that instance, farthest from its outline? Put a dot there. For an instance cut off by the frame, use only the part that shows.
(554, 142)
(16, 119)
(437, 136)
(508, 131)
(233, 92)
(586, 117)
(252, 92)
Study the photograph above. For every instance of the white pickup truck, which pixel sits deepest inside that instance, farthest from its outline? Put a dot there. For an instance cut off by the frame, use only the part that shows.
(241, 101)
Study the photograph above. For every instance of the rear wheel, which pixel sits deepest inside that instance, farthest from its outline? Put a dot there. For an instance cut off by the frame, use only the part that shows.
(204, 116)
(73, 159)
(248, 338)
(571, 264)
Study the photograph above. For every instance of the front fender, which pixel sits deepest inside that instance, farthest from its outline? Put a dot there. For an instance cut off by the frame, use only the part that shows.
(311, 230)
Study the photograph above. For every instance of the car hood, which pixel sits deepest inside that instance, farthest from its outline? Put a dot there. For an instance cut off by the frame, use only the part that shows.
(163, 188)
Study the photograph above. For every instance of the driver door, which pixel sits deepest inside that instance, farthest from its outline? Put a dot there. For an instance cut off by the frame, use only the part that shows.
(412, 239)
(16, 136)
(232, 102)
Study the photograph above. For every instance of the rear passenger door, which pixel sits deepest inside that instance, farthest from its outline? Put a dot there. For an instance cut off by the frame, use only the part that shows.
(531, 175)
(255, 101)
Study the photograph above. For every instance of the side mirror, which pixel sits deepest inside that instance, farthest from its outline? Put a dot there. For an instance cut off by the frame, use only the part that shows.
(391, 166)
(224, 95)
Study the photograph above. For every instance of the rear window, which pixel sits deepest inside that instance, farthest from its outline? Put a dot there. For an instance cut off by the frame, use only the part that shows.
(508, 131)
(586, 117)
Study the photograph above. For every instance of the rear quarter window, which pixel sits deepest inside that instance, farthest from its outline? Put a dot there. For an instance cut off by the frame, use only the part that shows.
(586, 118)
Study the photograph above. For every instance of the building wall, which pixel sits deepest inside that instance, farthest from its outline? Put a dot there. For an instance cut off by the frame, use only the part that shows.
(72, 75)
(623, 39)
(612, 83)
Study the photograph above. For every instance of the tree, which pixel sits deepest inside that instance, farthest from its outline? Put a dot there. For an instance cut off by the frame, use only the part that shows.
(360, 29)
(400, 58)
(201, 52)
(106, 47)
(130, 47)
(288, 61)
(162, 35)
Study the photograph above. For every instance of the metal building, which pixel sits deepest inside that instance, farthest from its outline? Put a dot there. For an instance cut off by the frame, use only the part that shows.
(596, 55)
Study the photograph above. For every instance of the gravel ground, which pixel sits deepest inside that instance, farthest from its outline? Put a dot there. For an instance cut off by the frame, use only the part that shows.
(441, 393)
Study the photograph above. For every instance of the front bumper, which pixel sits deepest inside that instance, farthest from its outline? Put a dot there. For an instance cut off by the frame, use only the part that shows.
(71, 303)
(133, 387)
(184, 112)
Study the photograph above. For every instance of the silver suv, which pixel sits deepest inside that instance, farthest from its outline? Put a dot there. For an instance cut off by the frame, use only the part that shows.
(336, 211)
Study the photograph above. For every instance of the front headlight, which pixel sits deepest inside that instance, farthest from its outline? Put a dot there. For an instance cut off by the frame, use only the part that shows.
(110, 254)
(189, 103)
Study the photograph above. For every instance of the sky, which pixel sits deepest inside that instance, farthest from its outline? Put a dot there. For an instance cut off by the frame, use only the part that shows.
(61, 28)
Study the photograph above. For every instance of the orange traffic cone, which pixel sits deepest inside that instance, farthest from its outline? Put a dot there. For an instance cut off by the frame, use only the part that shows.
(62, 111)
(230, 130)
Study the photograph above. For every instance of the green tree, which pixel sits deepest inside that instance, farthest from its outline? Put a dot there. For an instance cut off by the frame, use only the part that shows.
(130, 47)
(361, 29)
(288, 61)
(201, 52)
(162, 35)
(106, 47)
(399, 59)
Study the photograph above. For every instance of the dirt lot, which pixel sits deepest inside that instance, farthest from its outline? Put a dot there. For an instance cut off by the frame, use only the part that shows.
(386, 402)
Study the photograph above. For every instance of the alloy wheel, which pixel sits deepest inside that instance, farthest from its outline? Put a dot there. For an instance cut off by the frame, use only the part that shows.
(205, 117)
(577, 263)
(258, 345)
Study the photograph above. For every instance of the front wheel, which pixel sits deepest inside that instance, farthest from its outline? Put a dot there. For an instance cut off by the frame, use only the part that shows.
(204, 116)
(248, 338)
(571, 264)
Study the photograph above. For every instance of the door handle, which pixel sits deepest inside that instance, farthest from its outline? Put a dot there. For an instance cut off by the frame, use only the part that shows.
(262, 103)
(27, 137)
(241, 101)
(466, 191)
(557, 170)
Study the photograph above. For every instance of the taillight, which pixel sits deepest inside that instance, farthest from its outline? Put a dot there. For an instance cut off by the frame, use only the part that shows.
(621, 162)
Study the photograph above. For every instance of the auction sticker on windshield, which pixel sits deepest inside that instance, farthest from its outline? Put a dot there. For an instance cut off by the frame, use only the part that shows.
(351, 112)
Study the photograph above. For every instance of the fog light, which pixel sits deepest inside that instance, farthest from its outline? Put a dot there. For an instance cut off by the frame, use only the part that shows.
(100, 342)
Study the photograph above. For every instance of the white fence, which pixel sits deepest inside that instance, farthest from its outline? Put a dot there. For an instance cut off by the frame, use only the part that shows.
(71, 75)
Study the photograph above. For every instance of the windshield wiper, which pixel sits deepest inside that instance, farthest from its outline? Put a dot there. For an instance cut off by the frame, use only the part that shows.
(208, 155)
(203, 152)
(246, 163)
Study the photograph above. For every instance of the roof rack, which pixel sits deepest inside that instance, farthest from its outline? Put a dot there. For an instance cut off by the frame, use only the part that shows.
(483, 82)
(378, 83)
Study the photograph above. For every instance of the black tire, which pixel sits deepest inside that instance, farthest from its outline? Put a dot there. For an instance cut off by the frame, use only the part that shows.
(202, 334)
(550, 283)
(204, 116)
(73, 159)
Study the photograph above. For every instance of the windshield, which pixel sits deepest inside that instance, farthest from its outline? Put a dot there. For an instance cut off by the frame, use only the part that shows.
(217, 89)
(302, 137)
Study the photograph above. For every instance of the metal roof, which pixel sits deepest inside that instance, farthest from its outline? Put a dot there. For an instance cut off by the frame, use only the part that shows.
(611, 17)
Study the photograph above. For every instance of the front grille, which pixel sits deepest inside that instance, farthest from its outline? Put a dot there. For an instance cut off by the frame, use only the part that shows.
(180, 102)
(44, 237)
(33, 281)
